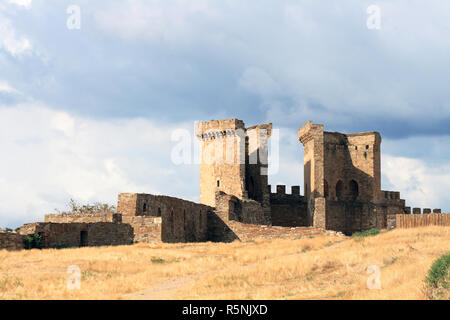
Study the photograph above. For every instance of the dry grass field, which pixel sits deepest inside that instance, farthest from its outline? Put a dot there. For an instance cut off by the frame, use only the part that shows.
(320, 267)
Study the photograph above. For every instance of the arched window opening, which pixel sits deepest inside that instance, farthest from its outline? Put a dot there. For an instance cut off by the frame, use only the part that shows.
(353, 190)
(340, 190)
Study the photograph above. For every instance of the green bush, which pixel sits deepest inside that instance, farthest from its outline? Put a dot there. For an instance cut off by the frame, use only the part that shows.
(97, 207)
(33, 241)
(158, 260)
(371, 232)
(438, 275)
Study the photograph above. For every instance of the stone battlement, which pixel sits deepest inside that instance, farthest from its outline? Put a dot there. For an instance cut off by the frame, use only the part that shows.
(419, 211)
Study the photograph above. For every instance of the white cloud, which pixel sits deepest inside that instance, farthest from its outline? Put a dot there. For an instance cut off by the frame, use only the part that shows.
(155, 19)
(10, 41)
(23, 3)
(50, 156)
(5, 87)
(420, 184)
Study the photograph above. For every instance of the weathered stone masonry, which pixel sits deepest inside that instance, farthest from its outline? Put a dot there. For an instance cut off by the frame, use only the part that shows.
(79, 234)
(11, 241)
(342, 192)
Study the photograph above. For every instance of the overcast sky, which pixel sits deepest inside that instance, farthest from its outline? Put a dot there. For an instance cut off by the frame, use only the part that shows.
(88, 113)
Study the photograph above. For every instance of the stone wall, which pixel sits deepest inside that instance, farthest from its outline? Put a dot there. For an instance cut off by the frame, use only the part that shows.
(349, 217)
(85, 217)
(289, 210)
(145, 229)
(56, 235)
(356, 216)
(11, 241)
(127, 204)
(246, 210)
(181, 220)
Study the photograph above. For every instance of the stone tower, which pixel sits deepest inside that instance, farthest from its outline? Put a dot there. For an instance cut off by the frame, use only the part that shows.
(339, 167)
(233, 160)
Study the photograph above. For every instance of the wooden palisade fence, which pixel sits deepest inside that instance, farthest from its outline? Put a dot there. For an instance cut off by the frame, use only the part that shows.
(422, 220)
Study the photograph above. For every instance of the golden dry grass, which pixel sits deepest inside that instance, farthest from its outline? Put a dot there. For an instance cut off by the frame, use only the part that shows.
(323, 267)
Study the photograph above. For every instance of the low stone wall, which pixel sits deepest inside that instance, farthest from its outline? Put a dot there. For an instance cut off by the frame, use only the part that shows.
(56, 235)
(11, 241)
(145, 229)
(355, 216)
(84, 218)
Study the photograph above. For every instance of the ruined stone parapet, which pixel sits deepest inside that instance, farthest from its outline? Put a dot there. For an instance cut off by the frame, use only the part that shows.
(83, 217)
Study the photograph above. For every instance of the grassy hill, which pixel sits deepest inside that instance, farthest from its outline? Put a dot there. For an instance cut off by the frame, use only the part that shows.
(312, 267)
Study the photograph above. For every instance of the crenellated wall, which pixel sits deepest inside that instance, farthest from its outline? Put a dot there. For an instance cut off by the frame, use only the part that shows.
(288, 210)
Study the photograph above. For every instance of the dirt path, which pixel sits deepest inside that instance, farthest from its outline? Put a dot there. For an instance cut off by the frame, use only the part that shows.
(162, 291)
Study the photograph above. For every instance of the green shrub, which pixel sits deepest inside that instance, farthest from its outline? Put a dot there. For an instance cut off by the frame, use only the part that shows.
(33, 241)
(158, 260)
(438, 275)
(371, 232)
(97, 207)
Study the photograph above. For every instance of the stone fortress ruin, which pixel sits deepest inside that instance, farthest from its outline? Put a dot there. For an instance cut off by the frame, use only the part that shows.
(342, 193)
